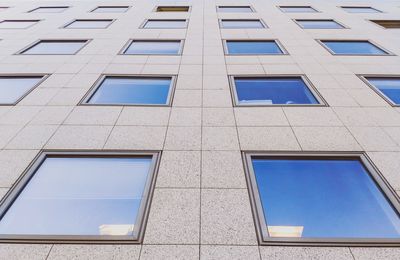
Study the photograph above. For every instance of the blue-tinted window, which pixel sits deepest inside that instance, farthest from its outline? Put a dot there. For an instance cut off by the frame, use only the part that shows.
(319, 24)
(390, 87)
(154, 47)
(56, 47)
(165, 24)
(111, 9)
(297, 9)
(89, 24)
(17, 24)
(234, 9)
(253, 47)
(49, 9)
(81, 196)
(246, 24)
(322, 198)
(361, 9)
(273, 91)
(14, 88)
(132, 91)
(354, 48)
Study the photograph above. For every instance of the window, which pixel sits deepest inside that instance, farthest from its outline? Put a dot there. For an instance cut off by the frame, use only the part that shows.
(388, 87)
(147, 47)
(2, 8)
(319, 24)
(246, 24)
(353, 48)
(80, 196)
(321, 198)
(17, 24)
(110, 9)
(131, 90)
(360, 9)
(297, 9)
(259, 47)
(56, 47)
(14, 88)
(388, 24)
(49, 9)
(272, 90)
(89, 24)
(165, 24)
(172, 9)
(235, 9)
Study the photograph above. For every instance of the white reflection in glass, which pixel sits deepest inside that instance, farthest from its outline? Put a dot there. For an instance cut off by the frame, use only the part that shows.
(14, 24)
(56, 47)
(154, 47)
(89, 24)
(13, 88)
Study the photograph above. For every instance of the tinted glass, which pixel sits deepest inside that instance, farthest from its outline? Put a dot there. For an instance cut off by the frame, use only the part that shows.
(80, 196)
(390, 87)
(388, 24)
(253, 47)
(16, 24)
(54, 47)
(89, 24)
(172, 9)
(177, 24)
(323, 199)
(141, 91)
(154, 47)
(234, 9)
(110, 9)
(360, 10)
(231, 24)
(49, 10)
(356, 48)
(13, 88)
(298, 9)
(273, 91)
(321, 24)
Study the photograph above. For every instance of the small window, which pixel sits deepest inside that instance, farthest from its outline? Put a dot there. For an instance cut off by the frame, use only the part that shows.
(319, 24)
(270, 91)
(172, 9)
(14, 88)
(55, 47)
(252, 47)
(110, 9)
(360, 9)
(297, 9)
(245, 24)
(131, 90)
(147, 47)
(353, 48)
(49, 9)
(2, 8)
(165, 24)
(89, 24)
(17, 24)
(389, 87)
(388, 24)
(80, 196)
(321, 199)
(235, 9)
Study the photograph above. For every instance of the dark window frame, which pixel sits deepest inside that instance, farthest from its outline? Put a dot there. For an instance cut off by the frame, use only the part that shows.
(189, 8)
(142, 26)
(221, 20)
(298, 20)
(387, 52)
(364, 78)
(21, 52)
(236, 6)
(276, 41)
(88, 20)
(376, 22)
(130, 41)
(36, 21)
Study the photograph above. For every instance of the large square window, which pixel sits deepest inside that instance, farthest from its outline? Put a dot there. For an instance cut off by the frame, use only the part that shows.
(49, 9)
(297, 9)
(172, 9)
(273, 90)
(17, 24)
(388, 24)
(55, 47)
(87, 196)
(165, 24)
(132, 90)
(244, 24)
(321, 198)
(360, 9)
(235, 9)
(148, 47)
(319, 24)
(89, 24)
(259, 47)
(110, 9)
(388, 87)
(339, 47)
(14, 88)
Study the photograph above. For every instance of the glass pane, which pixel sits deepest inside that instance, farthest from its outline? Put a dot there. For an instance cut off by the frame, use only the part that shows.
(388, 24)
(154, 47)
(89, 24)
(360, 10)
(299, 9)
(241, 24)
(323, 199)
(177, 24)
(119, 90)
(49, 10)
(172, 9)
(253, 47)
(347, 47)
(273, 91)
(390, 87)
(110, 9)
(321, 24)
(80, 196)
(16, 24)
(234, 9)
(53, 47)
(13, 88)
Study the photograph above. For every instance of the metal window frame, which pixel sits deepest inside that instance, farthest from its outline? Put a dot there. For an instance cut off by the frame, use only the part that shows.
(127, 7)
(221, 26)
(88, 20)
(280, 7)
(84, 101)
(376, 23)
(189, 8)
(258, 214)
(50, 7)
(128, 44)
(321, 101)
(86, 42)
(141, 221)
(386, 51)
(344, 7)
(218, 7)
(364, 78)
(298, 20)
(276, 41)
(35, 21)
(143, 25)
